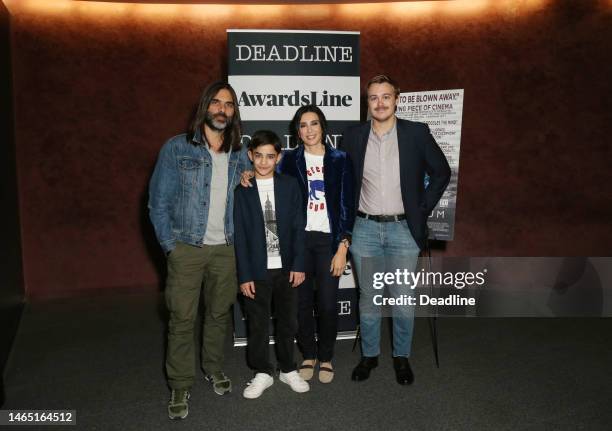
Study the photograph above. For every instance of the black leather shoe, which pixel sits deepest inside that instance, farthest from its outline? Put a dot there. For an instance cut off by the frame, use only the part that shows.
(403, 372)
(363, 368)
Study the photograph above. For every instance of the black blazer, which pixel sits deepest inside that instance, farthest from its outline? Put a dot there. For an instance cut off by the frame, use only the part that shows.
(338, 179)
(419, 154)
(249, 228)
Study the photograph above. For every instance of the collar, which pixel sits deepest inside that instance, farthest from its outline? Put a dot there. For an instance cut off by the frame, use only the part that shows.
(393, 129)
(198, 137)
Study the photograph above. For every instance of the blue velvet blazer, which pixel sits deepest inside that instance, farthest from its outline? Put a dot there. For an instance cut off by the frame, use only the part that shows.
(338, 181)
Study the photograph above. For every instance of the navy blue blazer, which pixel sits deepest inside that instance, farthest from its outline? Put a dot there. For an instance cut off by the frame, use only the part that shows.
(249, 229)
(419, 154)
(338, 181)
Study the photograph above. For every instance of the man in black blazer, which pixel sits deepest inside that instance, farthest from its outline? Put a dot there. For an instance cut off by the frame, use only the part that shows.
(390, 159)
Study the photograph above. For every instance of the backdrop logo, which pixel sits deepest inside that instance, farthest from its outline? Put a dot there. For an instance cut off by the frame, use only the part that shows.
(293, 53)
(296, 98)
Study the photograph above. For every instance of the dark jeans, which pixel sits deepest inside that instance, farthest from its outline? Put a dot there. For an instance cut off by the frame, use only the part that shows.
(318, 261)
(275, 289)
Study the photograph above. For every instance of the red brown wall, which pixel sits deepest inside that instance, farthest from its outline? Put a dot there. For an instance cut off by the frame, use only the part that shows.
(11, 276)
(99, 87)
(11, 279)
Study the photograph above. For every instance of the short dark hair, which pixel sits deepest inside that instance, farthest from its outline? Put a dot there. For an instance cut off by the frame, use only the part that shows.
(265, 137)
(382, 79)
(295, 122)
(231, 135)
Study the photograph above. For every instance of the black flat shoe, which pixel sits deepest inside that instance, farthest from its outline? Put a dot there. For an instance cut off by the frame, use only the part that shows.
(363, 368)
(403, 372)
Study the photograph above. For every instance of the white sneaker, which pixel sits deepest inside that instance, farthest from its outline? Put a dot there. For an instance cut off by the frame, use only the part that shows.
(295, 381)
(257, 385)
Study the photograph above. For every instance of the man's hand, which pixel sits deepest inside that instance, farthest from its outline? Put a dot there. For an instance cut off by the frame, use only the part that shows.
(248, 289)
(296, 278)
(245, 177)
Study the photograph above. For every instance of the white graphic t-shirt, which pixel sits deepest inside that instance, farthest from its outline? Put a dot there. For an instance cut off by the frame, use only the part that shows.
(316, 208)
(266, 197)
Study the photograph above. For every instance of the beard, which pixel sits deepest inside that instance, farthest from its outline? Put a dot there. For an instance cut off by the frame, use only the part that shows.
(212, 121)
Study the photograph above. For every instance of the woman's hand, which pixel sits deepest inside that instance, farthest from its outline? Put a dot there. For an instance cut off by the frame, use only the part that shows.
(245, 178)
(338, 262)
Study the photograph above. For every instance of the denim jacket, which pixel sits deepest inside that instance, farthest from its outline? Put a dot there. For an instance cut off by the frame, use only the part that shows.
(179, 191)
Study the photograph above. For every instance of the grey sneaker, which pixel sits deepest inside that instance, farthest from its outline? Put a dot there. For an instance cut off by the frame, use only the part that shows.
(178, 406)
(221, 383)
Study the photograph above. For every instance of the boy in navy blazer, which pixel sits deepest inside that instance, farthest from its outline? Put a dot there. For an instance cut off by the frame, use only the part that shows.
(269, 245)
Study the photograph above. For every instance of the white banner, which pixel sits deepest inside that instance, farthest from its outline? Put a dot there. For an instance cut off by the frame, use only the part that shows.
(274, 72)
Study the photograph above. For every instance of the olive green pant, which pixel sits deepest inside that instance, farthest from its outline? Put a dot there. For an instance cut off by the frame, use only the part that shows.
(191, 270)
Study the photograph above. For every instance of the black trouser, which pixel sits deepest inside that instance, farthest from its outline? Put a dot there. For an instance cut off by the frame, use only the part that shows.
(278, 289)
(318, 261)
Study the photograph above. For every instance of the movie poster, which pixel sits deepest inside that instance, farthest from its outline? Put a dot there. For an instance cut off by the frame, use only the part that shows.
(442, 111)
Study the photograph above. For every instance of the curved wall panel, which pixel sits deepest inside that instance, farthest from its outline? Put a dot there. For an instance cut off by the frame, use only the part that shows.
(100, 86)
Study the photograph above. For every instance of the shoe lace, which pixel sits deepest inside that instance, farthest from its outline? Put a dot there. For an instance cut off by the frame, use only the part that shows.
(255, 380)
(219, 377)
(176, 394)
(293, 377)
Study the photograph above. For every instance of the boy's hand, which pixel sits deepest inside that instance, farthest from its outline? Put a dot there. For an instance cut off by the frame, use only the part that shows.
(296, 278)
(245, 177)
(248, 289)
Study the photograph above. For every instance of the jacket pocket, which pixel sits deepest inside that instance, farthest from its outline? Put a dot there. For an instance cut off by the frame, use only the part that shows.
(189, 163)
(189, 168)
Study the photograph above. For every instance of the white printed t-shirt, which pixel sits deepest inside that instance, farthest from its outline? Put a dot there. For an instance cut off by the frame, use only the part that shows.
(316, 207)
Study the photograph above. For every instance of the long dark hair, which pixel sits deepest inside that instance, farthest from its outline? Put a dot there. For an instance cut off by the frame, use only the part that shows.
(295, 123)
(231, 135)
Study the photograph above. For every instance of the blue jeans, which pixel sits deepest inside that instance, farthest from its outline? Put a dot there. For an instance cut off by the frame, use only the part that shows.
(383, 247)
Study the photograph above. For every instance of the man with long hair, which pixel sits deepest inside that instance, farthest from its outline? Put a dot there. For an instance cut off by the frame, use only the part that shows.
(191, 197)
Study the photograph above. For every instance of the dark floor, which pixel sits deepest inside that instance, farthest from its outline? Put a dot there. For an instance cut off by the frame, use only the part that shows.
(10, 315)
(103, 356)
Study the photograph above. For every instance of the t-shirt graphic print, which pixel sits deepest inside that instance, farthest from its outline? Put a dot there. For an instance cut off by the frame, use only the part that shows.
(266, 197)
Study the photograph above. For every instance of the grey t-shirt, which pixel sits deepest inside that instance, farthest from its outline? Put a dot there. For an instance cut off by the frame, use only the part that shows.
(215, 228)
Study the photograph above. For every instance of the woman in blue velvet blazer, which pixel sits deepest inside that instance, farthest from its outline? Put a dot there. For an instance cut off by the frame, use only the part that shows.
(325, 176)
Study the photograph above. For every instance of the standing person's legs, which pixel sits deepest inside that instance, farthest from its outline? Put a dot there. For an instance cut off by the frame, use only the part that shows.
(185, 268)
(258, 349)
(327, 299)
(367, 254)
(220, 289)
(258, 321)
(285, 308)
(401, 252)
(306, 321)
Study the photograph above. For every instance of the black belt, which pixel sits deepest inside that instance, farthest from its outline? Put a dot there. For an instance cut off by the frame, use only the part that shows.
(381, 218)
